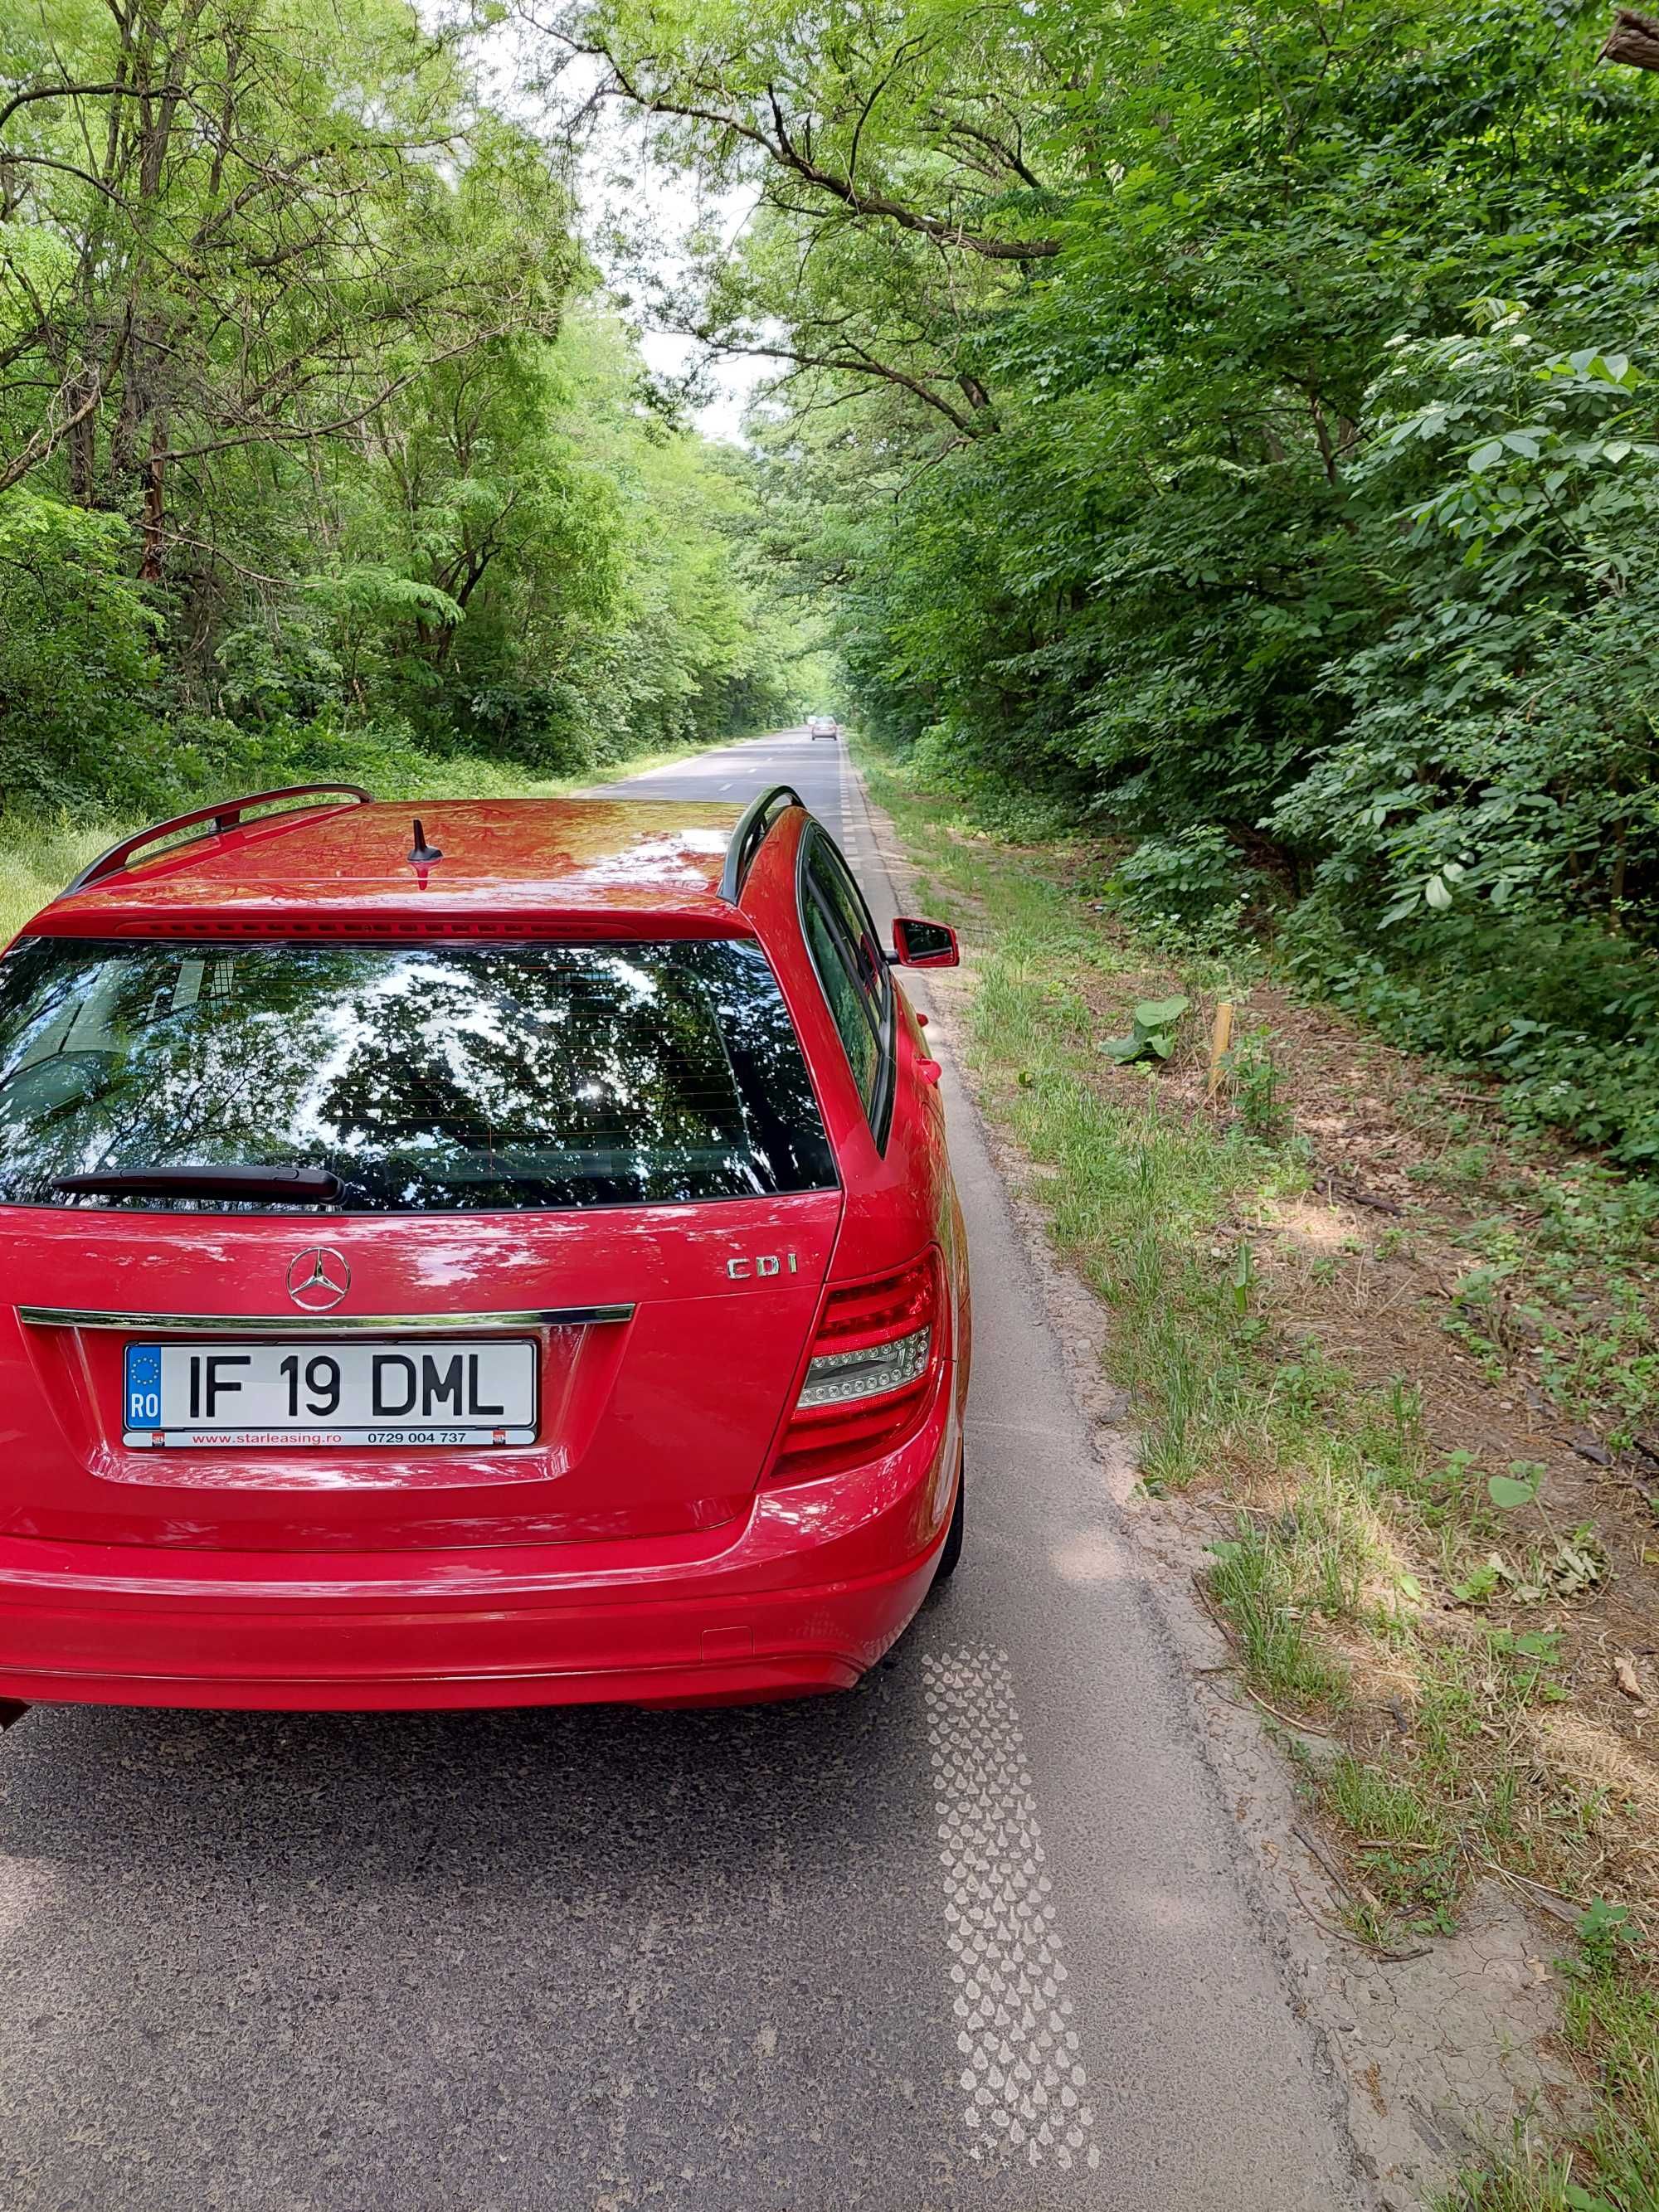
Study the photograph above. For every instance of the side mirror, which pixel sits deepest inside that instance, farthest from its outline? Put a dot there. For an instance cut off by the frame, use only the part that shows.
(924, 943)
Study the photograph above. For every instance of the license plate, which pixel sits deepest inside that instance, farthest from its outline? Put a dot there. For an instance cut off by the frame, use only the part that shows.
(322, 1393)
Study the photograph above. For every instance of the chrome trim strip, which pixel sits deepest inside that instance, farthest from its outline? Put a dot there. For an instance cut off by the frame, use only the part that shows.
(320, 1324)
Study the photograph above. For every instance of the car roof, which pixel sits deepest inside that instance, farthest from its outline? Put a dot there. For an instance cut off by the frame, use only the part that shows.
(600, 865)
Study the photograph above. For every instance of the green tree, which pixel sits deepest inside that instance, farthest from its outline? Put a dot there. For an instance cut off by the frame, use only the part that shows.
(1158, 450)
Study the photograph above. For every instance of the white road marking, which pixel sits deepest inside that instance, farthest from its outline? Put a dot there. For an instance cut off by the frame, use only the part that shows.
(1014, 1428)
(1022, 2073)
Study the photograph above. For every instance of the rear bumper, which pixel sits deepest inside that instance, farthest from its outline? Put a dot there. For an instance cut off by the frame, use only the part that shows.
(803, 1596)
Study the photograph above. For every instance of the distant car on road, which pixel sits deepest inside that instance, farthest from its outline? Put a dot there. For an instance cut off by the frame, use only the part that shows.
(509, 1261)
(822, 725)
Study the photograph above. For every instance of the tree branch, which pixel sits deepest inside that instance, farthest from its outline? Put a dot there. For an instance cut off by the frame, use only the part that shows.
(954, 127)
(34, 92)
(277, 433)
(859, 364)
(783, 149)
(48, 437)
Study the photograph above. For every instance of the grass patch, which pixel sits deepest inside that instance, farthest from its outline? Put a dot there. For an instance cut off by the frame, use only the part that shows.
(1418, 1597)
(1256, 1582)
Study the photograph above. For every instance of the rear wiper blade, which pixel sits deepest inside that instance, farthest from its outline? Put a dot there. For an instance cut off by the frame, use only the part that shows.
(306, 1185)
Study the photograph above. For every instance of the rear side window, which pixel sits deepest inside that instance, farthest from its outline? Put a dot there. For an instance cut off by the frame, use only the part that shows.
(863, 1047)
(430, 1077)
(851, 967)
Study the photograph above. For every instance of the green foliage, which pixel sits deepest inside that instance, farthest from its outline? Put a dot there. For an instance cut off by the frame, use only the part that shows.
(1189, 888)
(1518, 1487)
(1502, 748)
(1603, 1930)
(77, 651)
(1234, 428)
(364, 463)
(1253, 1074)
(1153, 1034)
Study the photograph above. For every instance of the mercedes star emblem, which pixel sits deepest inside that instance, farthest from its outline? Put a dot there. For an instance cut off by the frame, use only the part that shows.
(318, 1279)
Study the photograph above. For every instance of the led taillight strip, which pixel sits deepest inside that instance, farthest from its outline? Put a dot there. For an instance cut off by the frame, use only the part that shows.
(870, 1372)
(863, 1371)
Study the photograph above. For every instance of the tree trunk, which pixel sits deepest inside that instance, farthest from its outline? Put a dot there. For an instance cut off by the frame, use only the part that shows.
(153, 528)
(82, 444)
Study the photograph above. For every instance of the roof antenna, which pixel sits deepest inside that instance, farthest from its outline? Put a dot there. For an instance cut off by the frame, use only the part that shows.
(424, 855)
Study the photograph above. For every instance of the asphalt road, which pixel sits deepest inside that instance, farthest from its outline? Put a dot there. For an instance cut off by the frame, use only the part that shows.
(809, 1956)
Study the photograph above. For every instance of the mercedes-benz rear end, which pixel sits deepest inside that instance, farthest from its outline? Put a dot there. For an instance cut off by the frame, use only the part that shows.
(451, 1321)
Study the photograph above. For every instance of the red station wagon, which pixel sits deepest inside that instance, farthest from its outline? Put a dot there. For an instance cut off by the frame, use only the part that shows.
(515, 1262)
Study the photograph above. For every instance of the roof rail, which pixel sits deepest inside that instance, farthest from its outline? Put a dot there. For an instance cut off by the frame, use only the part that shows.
(225, 816)
(747, 838)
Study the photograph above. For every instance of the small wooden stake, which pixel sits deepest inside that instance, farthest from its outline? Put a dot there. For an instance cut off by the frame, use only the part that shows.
(1220, 1039)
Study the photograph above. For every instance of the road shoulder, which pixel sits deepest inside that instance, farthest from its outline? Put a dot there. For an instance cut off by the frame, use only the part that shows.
(1436, 2052)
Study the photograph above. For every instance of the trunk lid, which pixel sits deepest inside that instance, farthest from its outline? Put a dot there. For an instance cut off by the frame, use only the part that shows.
(654, 1424)
(506, 1131)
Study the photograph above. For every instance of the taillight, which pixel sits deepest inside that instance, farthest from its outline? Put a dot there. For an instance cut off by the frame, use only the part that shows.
(874, 1358)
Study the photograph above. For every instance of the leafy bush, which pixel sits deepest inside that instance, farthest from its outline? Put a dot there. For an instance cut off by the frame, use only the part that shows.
(1563, 1013)
(284, 667)
(1191, 883)
(77, 655)
(991, 800)
(1501, 745)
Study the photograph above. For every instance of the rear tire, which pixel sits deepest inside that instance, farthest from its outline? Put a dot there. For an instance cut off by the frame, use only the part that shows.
(950, 1551)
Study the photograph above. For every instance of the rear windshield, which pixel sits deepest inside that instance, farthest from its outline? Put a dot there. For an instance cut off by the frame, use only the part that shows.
(428, 1077)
